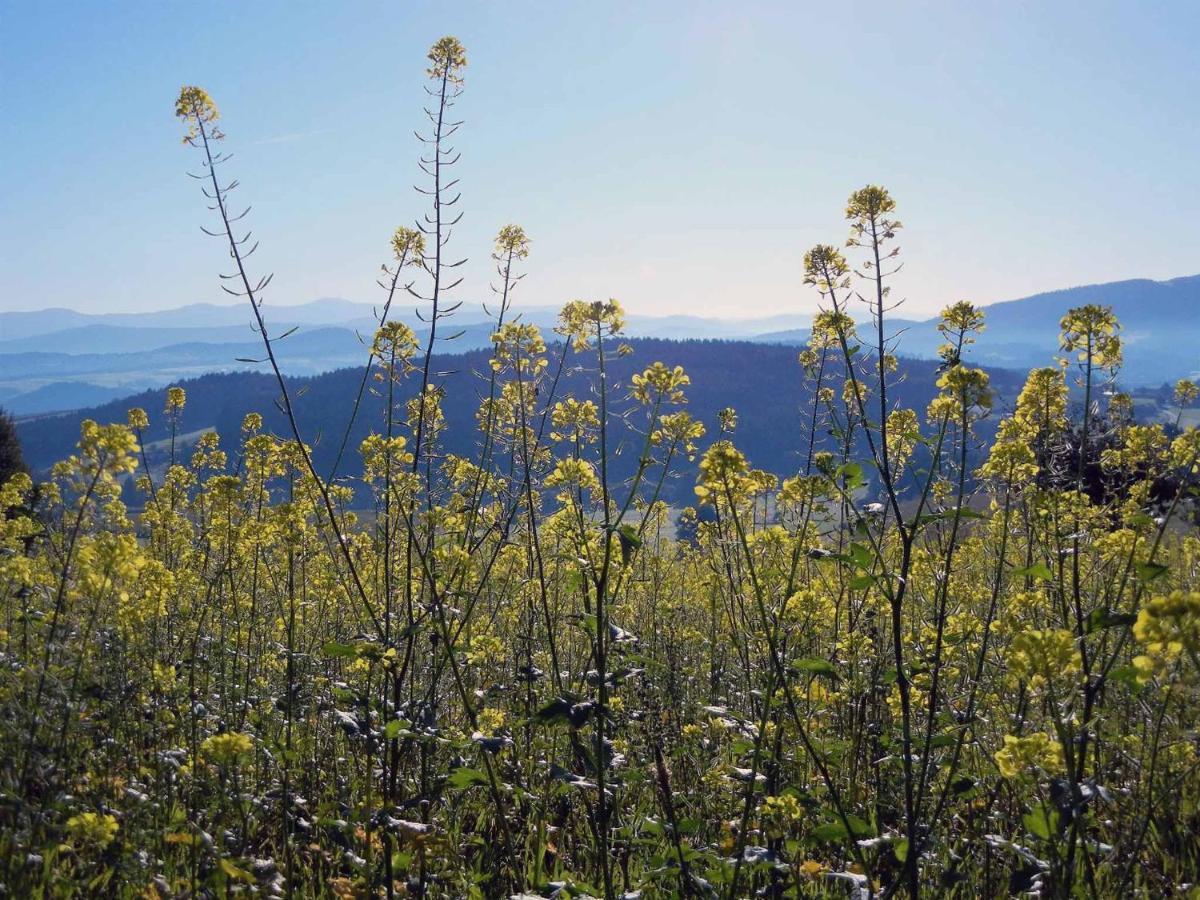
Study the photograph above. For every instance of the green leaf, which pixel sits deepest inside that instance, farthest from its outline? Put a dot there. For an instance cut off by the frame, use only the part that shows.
(340, 651)
(688, 826)
(852, 475)
(556, 711)
(630, 542)
(464, 777)
(860, 582)
(900, 849)
(815, 667)
(860, 828)
(948, 515)
(830, 831)
(1036, 823)
(1099, 619)
(1149, 571)
(236, 873)
(927, 518)
(1129, 676)
(862, 557)
(1037, 570)
(962, 785)
(393, 728)
(1040, 824)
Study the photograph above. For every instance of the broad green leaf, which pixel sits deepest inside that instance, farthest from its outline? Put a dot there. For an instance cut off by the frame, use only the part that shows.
(236, 873)
(1100, 619)
(815, 667)
(630, 542)
(393, 728)
(830, 831)
(465, 777)
(862, 557)
(860, 828)
(1037, 570)
(1150, 571)
(1039, 824)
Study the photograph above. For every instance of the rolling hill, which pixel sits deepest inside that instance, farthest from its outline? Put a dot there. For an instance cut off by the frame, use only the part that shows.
(761, 381)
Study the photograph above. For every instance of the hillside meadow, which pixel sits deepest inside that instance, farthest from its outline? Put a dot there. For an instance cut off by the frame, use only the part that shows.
(954, 652)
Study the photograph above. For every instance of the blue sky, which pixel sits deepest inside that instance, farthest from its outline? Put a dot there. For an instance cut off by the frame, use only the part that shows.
(677, 156)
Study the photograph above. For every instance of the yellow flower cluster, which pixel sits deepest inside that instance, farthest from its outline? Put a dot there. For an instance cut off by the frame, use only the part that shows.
(395, 344)
(447, 59)
(826, 269)
(196, 109)
(723, 468)
(963, 390)
(519, 347)
(1185, 451)
(1090, 332)
(1042, 403)
(1169, 625)
(1140, 446)
(1041, 656)
(382, 455)
(490, 720)
(511, 242)
(904, 433)
(780, 812)
(91, 829)
(575, 420)
(1186, 392)
(1023, 755)
(485, 648)
(659, 383)
(581, 320)
(829, 328)
(572, 472)
(226, 748)
(1011, 457)
(679, 429)
(408, 246)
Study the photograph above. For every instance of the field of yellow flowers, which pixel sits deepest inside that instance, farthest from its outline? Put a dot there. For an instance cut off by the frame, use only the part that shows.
(917, 666)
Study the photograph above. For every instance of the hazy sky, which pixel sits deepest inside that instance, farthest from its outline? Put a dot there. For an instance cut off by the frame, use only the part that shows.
(678, 156)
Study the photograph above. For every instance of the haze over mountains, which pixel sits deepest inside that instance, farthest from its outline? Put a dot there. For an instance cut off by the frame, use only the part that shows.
(58, 359)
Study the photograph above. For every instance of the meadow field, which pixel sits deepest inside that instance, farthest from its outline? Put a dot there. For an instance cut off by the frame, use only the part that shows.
(925, 664)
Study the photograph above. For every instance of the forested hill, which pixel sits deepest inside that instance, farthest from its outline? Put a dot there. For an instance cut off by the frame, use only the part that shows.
(763, 383)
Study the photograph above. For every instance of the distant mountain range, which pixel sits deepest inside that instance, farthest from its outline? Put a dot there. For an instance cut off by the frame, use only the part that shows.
(16, 325)
(1161, 333)
(59, 359)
